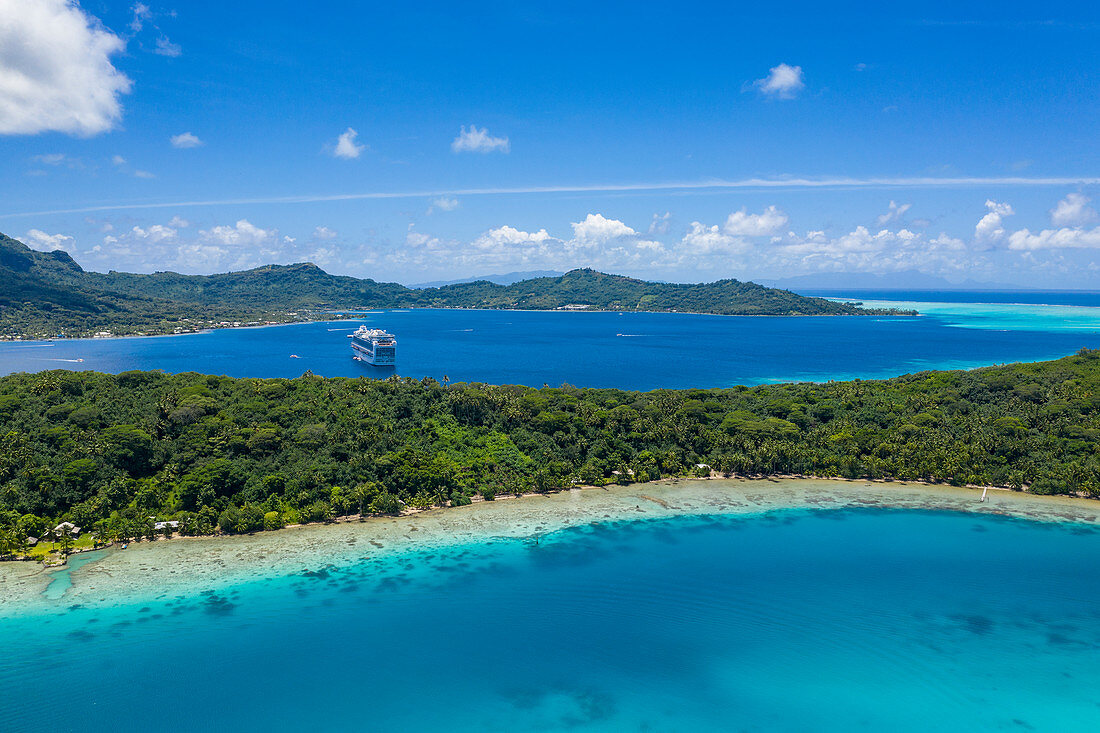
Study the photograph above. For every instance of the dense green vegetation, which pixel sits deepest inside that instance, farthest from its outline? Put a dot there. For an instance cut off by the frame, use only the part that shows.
(109, 452)
(43, 294)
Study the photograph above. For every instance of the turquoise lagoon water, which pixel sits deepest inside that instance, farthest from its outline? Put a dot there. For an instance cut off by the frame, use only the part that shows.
(629, 350)
(797, 620)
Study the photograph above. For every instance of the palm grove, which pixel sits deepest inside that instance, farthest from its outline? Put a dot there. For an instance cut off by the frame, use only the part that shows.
(117, 452)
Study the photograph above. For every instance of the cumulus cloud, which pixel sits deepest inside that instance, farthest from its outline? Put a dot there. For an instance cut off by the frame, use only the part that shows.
(895, 212)
(324, 233)
(118, 160)
(243, 233)
(173, 246)
(596, 229)
(56, 73)
(743, 224)
(990, 227)
(507, 237)
(155, 233)
(782, 82)
(703, 240)
(40, 240)
(1063, 238)
(863, 250)
(185, 140)
(475, 140)
(346, 147)
(597, 241)
(1072, 211)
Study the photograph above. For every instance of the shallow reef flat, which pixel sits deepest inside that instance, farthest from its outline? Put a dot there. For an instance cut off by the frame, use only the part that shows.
(149, 571)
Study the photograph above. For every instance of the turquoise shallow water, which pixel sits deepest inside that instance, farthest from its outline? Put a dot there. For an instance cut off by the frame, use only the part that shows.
(796, 620)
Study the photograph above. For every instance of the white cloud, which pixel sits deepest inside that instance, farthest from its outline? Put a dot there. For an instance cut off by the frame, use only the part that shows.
(660, 223)
(1064, 238)
(176, 246)
(38, 239)
(185, 140)
(474, 140)
(167, 48)
(782, 82)
(324, 233)
(56, 73)
(895, 213)
(596, 229)
(443, 203)
(703, 240)
(419, 240)
(740, 223)
(1072, 211)
(50, 159)
(141, 13)
(507, 237)
(863, 250)
(243, 233)
(143, 174)
(155, 233)
(118, 160)
(990, 227)
(346, 147)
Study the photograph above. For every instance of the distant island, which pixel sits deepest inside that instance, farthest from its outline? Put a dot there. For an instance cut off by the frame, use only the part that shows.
(506, 278)
(144, 453)
(47, 295)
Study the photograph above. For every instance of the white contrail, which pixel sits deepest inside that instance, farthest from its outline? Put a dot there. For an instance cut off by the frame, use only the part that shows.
(714, 184)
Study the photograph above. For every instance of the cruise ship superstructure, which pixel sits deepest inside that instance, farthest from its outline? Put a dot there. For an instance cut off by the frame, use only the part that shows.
(374, 346)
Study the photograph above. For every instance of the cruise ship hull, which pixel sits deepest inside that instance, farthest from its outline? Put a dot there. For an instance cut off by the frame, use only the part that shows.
(374, 346)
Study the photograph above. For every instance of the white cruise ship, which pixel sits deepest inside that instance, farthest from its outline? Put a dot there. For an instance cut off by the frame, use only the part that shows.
(374, 346)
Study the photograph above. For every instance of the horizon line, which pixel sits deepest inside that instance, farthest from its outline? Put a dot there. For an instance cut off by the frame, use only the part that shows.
(713, 184)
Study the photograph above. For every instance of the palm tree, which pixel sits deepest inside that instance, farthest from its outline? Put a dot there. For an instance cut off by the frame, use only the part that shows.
(103, 532)
(7, 541)
(362, 493)
(65, 539)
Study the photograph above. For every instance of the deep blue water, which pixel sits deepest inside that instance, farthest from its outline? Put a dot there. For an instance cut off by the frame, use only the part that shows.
(631, 351)
(795, 621)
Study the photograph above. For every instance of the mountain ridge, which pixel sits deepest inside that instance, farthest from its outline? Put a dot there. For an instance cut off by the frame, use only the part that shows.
(43, 294)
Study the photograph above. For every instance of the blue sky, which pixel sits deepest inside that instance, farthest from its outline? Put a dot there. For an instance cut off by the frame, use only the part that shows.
(687, 142)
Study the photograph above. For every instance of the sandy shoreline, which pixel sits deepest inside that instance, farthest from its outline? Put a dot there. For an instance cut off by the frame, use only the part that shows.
(186, 566)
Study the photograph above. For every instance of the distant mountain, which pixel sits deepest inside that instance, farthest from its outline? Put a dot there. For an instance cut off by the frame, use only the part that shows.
(906, 280)
(46, 293)
(507, 278)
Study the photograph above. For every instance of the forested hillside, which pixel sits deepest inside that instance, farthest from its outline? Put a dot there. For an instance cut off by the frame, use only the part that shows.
(45, 294)
(242, 454)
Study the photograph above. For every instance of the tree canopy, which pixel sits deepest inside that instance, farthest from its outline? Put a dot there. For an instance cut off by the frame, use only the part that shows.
(245, 454)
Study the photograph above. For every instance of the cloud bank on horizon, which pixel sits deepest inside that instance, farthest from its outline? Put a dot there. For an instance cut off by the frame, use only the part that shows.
(776, 155)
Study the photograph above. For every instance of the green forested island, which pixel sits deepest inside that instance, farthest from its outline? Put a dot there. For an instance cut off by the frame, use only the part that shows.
(215, 453)
(45, 294)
